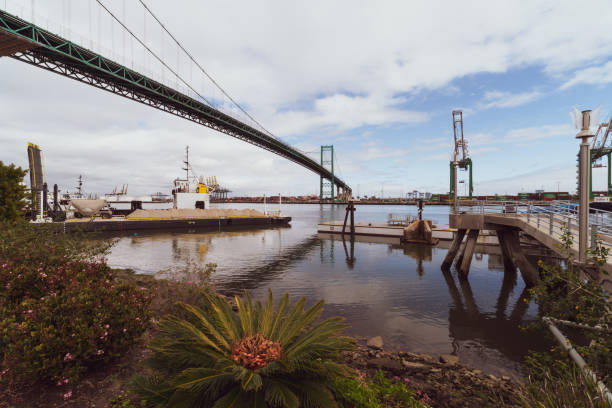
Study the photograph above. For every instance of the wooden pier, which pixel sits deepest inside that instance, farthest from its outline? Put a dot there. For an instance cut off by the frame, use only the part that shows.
(545, 229)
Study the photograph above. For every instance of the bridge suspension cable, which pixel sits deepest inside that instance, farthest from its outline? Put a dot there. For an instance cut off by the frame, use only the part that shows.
(151, 52)
(29, 43)
(202, 69)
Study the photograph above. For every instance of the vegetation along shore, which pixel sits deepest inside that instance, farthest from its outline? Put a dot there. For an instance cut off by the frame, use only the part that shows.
(74, 332)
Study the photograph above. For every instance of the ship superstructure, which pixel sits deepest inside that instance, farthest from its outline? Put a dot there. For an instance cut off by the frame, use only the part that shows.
(190, 192)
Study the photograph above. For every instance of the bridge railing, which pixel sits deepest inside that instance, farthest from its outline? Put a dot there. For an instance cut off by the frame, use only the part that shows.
(552, 217)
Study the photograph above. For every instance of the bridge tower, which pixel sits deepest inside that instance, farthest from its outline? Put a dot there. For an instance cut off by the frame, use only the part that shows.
(327, 189)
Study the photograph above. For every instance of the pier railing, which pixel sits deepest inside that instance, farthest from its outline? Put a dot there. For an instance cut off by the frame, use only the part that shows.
(403, 219)
(552, 217)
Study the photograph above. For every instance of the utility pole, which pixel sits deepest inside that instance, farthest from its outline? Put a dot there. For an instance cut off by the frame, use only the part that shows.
(584, 164)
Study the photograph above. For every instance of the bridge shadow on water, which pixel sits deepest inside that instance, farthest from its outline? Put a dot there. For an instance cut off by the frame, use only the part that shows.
(269, 271)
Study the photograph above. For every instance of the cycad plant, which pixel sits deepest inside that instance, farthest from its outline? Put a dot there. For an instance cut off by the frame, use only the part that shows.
(261, 356)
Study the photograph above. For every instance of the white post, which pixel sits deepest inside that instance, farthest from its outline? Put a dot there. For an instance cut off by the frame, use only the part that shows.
(455, 192)
(265, 212)
(279, 203)
(584, 164)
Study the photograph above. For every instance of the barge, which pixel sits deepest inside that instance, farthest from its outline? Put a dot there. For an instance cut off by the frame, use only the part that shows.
(120, 224)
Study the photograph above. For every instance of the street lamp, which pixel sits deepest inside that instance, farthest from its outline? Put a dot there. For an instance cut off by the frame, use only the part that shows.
(584, 162)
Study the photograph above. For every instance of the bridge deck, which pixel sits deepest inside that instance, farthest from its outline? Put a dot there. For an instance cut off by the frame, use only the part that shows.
(24, 41)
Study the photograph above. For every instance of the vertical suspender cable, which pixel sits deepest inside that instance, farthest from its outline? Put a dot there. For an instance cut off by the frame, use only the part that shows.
(204, 71)
(123, 33)
(90, 25)
(144, 29)
(161, 61)
(99, 28)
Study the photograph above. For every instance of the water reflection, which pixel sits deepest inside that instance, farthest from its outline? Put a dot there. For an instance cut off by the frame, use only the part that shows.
(350, 258)
(472, 329)
(501, 329)
(379, 285)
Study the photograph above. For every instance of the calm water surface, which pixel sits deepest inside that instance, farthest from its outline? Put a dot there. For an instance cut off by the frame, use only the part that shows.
(392, 290)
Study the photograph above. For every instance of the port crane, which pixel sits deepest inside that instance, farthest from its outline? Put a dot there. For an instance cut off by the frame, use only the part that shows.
(461, 156)
(601, 147)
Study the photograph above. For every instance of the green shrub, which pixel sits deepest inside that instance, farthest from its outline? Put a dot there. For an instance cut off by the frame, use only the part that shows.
(61, 310)
(562, 386)
(377, 392)
(261, 356)
(566, 292)
(12, 192)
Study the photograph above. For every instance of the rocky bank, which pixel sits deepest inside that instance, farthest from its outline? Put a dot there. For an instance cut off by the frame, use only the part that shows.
(444, 379)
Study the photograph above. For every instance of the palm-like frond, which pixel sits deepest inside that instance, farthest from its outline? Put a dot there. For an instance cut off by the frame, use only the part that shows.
(261, 356)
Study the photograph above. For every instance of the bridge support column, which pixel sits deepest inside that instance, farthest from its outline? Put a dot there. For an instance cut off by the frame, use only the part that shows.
(452, 252)
(509, 239)
(468, 252)
(506, 253)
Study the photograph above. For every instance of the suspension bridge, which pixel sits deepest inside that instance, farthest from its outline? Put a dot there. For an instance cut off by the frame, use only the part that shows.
(25, 41)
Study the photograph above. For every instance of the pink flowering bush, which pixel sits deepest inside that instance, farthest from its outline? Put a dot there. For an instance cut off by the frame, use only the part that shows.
(61, 310)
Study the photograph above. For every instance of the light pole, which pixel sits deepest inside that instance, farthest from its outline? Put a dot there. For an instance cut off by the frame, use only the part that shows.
(584, 163)
(455, 190)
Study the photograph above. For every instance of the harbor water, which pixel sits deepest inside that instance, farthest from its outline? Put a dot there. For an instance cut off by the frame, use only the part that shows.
(383, 289)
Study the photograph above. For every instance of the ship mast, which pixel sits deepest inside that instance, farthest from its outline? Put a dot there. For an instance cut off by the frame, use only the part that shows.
(80, 187)
(186, 168)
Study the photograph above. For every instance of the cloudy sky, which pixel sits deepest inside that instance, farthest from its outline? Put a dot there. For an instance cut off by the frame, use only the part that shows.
(377, 79)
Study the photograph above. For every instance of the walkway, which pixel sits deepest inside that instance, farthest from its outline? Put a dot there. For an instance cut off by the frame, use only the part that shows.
(544, 223)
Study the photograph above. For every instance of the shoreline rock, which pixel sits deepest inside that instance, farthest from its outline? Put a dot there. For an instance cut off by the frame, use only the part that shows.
(375, 343)
(447, 382)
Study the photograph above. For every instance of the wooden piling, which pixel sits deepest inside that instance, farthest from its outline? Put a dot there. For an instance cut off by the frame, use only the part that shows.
(349, 208)
(468, 251)
(528, 271)
(452, 252)
(352, 207)
(345, 219)
(506, 253)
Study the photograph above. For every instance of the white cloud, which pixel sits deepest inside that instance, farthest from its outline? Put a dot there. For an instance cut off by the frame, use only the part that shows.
(538, 132)
(498, 99)
(520, 136)
(278, 55)
(343, 112)
(548, 179)
(597, 75)
(302, 68)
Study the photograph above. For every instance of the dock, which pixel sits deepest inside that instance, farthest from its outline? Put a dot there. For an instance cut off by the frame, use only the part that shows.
(395, 231)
